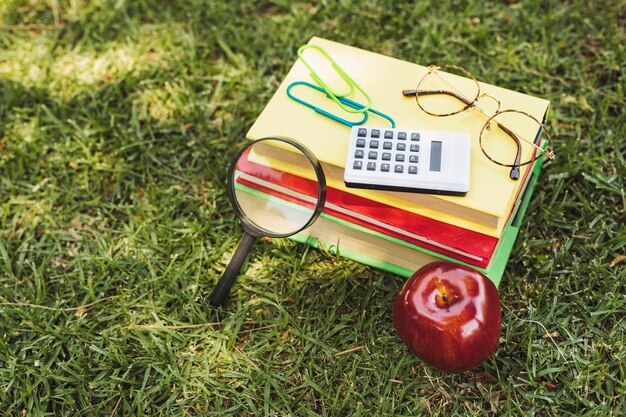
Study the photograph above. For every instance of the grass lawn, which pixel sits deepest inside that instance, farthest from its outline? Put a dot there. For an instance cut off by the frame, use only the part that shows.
(118, 120)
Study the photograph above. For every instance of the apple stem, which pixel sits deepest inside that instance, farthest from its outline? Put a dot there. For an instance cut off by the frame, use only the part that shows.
(442, 292)
(445, 300)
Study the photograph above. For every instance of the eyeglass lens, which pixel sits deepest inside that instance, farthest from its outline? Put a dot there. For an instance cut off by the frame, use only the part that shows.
(508, 138)
(447, 91)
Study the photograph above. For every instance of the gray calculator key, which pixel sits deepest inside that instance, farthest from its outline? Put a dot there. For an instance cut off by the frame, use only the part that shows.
(362, 132)
(401, 146)
(415, 136)
(357, 165)
(372, 155)
(414, 159)
(374, 144)
(398, 168)
(387, 145)
(359, 153)
(384, 167)
(402, 135)
(412, 169)
(360, 143)
(371, 166)
(400, 157)
(388, 134)
(375, 133)
(386, 156)
(415, 147)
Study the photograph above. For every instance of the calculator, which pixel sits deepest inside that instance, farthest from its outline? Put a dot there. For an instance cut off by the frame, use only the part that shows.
(408, 160)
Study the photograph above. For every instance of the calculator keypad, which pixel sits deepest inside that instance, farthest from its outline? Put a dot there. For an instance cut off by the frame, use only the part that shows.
(405, 156)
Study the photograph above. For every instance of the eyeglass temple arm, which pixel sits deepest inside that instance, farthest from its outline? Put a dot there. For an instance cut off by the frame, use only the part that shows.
(413, 93)
(515, 170)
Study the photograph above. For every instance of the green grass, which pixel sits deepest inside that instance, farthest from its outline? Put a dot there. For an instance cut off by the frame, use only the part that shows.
(117, 123)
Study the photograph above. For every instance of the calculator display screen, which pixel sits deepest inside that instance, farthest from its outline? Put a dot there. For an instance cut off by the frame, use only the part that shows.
(435, 156)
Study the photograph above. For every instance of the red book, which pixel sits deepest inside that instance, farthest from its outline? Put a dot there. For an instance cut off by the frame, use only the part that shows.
(460, 243)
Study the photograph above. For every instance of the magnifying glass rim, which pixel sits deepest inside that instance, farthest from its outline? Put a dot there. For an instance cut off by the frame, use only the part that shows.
(249, 226)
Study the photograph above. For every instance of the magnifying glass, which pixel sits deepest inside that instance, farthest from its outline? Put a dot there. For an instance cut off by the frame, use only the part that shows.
(271, 202)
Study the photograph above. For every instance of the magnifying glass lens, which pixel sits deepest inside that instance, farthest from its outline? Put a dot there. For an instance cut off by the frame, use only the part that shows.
(274, 198)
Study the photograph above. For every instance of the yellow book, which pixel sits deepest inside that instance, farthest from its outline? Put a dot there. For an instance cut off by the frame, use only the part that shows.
(492, 194)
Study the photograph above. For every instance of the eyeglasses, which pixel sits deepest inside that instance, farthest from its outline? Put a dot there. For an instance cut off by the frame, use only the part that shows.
(442, 94)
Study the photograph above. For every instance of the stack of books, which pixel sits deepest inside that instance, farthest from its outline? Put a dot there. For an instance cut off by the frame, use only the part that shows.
(392, 230)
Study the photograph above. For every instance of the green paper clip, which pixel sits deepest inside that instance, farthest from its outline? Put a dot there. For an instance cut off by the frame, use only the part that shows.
(352, 85)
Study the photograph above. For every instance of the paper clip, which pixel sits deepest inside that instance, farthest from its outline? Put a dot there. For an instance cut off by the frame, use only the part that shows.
(344, 101)
(352, 85)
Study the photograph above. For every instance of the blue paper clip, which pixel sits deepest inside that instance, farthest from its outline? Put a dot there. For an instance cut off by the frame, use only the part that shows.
(343, 100)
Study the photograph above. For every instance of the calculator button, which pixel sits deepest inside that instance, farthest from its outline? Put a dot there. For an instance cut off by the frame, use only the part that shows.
(374, 144)
(371, 166)
(372, 155)
(415, 136)
(414, 159)
(388, 134)
(415, 147)
(384, 167)
(402, 135)
(359, 153)
(401, 146)
(386, 156)
(362, 132)
(360, 143)
(375, 133)
(400, 157)
(412, 169)
(357, 165)
(387, 145)
(398, 168)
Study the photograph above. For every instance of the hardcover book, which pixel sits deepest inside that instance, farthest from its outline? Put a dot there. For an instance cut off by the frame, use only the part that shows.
(487, 206)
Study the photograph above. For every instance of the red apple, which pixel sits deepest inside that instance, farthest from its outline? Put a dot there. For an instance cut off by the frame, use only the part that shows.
(449, 316)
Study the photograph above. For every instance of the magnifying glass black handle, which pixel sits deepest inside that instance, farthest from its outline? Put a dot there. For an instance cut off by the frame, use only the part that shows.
(222, 289)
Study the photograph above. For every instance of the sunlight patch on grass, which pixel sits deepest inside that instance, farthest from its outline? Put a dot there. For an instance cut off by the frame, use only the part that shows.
(157, 103)
(25, 63)
(24, 130)
(89, 68)
(67, 72)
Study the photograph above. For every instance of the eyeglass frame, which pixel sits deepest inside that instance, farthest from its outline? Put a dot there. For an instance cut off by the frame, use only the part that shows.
(515, 167)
